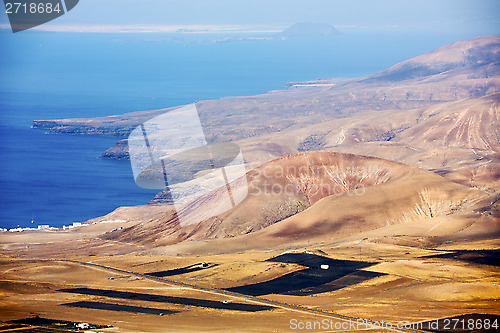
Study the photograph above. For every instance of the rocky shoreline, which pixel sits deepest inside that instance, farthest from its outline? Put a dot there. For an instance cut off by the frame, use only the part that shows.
(58, 127)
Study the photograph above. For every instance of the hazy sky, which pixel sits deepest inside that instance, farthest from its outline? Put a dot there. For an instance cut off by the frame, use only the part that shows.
(397, 13)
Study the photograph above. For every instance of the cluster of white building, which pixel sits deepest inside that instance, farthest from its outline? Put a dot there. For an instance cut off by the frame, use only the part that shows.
(64, 227)
(44, 227)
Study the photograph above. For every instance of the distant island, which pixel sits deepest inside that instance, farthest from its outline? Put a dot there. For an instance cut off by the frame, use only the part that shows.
(207, 33)
(308, 30)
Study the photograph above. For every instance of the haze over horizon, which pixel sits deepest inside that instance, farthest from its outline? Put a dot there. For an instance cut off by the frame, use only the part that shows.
(482, 16)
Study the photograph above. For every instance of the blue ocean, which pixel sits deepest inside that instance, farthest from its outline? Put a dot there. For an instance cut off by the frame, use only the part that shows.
(59, 179)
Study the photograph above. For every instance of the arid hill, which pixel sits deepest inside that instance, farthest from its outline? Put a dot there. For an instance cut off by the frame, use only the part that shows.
(314, 195)
(477, 57)
(448, 138)
(471, 123)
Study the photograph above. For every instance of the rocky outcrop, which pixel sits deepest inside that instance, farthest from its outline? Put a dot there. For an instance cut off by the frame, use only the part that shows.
(74, 127)
(118, 152)
(118, 125)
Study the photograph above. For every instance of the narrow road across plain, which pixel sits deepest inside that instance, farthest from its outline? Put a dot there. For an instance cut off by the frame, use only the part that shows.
(252, 299)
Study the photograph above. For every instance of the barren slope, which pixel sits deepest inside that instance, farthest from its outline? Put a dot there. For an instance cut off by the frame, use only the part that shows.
(277, 190)
(413, 210)
(471, 123)
(331, 197)
(454, 138)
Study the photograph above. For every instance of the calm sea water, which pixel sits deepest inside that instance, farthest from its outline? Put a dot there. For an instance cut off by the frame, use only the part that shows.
(58, 179)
